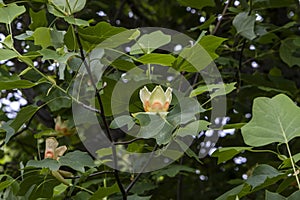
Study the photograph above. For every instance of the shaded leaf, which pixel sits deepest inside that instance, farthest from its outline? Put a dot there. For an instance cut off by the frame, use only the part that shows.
(226, 153)
(77, 160)
(244, 25)
(196, 3)
(149, 42)
(104, 192)
(289, 51)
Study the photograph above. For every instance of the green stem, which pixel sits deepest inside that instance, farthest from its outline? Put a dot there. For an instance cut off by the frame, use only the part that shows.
(82, 188)
(293, 163)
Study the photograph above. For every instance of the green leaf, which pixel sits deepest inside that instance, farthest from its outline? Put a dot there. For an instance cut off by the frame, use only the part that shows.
(7, 182)
(244, 25)
(155, 58)
(289, 51)
(215, 89)
(226, 153)
(149, 42)
(263, 4)
(123, 65)
(104, 192)
(38, 186)
(6, 54)
(75, 21)
(274, 120)
(38, 19)
(62, 8)
(15, 84)
(197, 4)
(42, 36)
(154, 126)
(102, 33)
(193, 59)
(124, 120)
(10, 12)
(46, 163)
(192, 128)
(210, 43)
(173, 170)
(136, 197)
(77, 160)
(23, 115)
(274, 196)
(260, 175)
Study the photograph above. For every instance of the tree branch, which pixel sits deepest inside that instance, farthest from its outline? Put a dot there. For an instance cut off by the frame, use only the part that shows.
(114, 153)
(220, 20)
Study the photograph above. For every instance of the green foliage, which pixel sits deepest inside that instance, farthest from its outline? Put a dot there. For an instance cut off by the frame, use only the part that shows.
(47, 45)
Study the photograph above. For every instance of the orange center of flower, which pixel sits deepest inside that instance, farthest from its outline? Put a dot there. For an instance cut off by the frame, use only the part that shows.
(156, 106)
(49, 154)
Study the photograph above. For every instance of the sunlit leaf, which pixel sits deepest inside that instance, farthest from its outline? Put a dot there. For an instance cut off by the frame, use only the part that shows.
(274, 120)
(10, 12)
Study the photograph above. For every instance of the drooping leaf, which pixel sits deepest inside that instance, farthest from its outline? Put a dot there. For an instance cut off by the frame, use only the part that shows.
(10, 12)
(197, 4)
(214, 89)
(289, 51)
(6, 54)
(149, 42)
(40, 186)
(16, 84)
(226, 153)
(244, 25)
(274, 120)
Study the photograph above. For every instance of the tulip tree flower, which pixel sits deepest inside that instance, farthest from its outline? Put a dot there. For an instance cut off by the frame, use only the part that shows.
(52, 150)
(156, 101)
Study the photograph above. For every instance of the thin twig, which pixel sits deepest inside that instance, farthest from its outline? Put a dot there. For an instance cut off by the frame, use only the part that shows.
(238, 73)
(114, 153)
(91, 175)
(220, 20)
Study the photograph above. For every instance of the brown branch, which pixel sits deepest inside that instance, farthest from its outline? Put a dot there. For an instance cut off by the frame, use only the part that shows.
(114, 153)
(220, 20)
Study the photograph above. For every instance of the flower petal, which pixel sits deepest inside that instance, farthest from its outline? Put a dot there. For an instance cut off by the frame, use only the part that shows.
(168, 94)
(60, 151)
(157, 96)
(51, 144)
(144, 95)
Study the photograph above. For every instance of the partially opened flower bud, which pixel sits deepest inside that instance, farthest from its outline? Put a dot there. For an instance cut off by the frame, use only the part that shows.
(157, 100)
(52, 150)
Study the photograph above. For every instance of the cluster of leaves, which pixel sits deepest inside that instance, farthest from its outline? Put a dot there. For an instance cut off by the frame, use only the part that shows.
(46, 45)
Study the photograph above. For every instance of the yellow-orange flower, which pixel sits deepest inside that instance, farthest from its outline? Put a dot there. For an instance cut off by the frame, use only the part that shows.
(157, 100)
(52, 150)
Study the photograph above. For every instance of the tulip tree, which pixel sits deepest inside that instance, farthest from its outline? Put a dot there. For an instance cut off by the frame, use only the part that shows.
(62, 60)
